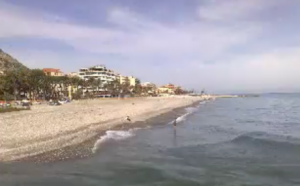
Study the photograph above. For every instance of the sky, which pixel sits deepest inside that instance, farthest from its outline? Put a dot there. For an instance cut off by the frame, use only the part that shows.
(223, 46)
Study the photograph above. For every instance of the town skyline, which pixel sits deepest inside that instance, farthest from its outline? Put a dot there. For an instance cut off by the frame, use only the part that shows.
(196, 44)
(132, 80)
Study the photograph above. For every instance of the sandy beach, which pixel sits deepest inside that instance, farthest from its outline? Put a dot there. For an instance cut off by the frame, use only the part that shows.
(47, 128)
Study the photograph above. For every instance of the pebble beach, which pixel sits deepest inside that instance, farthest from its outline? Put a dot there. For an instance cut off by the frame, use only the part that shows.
(46, 128)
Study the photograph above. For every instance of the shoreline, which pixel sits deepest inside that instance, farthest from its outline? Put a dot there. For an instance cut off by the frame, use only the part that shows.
(80, 148)
(84, 149)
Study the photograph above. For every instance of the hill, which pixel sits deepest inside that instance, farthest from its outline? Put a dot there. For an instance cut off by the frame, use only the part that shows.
(7, 62)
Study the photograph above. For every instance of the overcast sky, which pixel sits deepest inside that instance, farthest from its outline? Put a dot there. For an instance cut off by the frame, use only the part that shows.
(220, 45)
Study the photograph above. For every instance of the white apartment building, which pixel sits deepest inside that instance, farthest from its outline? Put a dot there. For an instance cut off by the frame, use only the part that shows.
(105, 75)
(123, 79)
(98, 72)
(149, 85)
(132, 81)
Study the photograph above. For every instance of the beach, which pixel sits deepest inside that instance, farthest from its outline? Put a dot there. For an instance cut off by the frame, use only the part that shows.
(49, 128)
(241, 141)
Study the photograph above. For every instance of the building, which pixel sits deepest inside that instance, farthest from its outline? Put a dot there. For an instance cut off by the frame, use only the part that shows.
(98, 72)
(149, 88)
(170, 86)
(148, 84)
(53, 72)
(123, 80)
(73, 74)
(132, 81)
(105, 75)
(167, 89)
(163, 90)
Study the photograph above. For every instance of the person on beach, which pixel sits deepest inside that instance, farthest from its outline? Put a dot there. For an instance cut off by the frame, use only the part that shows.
(128, 119)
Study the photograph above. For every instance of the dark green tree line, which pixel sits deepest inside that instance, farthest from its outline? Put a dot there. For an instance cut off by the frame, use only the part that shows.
(34, 84)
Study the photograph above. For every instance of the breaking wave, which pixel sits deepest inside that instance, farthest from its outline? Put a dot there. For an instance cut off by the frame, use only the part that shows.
(189, 110)
(113, 135)
(122, 135)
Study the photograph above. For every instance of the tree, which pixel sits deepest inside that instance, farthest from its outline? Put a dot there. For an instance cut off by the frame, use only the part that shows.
(4, 88)
(36, 83)
(138, 90)
(113, 88)
(97, 84)
(178, 91)
(125, 89)
(14, 81)
(138, 82)
(76, 82)
(91, 84)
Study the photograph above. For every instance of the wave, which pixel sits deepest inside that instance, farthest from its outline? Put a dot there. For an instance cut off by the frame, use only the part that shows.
(189, 110)
(265, 139)
(113, 135)
(121, 135)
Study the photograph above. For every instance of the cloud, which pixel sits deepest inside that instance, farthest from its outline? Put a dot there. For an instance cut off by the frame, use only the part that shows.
(131, 34)
(218, 10)
(199, 53)
(18, 22)
(275, 71)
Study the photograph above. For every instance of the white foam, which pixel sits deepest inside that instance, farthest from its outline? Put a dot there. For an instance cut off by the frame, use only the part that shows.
(121, 135)
(182, 118)
(189, 111)
(113, 135)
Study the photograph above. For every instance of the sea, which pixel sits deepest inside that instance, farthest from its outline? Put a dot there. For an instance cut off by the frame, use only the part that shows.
(252, 141)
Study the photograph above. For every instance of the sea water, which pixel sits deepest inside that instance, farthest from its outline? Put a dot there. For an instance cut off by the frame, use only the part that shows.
(226, 142)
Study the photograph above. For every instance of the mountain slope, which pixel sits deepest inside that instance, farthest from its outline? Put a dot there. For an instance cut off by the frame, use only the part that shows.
(8, 62)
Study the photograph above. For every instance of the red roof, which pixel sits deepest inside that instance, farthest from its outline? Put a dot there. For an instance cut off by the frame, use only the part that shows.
(51, 70)
(170, 86)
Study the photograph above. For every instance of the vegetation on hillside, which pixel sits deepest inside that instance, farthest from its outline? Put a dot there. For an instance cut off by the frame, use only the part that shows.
(7, 62)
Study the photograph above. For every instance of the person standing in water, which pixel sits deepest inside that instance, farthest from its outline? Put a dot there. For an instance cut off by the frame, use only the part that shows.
(175, 133)
(175, 123)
